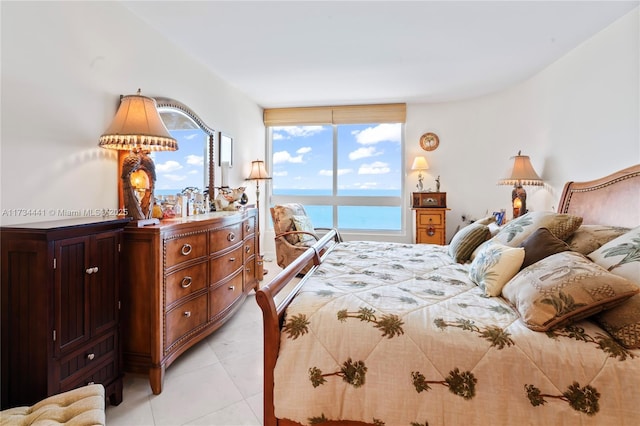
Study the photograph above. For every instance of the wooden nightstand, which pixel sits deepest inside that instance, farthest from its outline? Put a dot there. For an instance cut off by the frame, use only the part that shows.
(431, 225)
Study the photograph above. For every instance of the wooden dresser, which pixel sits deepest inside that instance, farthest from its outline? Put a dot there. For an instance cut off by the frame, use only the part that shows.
(182, 280)
(60, 315)
(431, 225)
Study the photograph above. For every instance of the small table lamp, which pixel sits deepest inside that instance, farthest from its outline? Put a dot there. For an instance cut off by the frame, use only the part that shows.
(258, 173)
(138, 128)
(522, 173)
(420, 164)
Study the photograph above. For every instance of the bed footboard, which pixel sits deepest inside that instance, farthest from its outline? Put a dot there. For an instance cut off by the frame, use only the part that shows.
(273, 306)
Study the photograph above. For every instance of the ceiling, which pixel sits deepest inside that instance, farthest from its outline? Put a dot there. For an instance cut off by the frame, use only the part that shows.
(303, 53)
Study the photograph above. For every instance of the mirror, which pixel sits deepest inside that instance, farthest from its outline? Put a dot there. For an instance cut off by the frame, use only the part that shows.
(192, 165)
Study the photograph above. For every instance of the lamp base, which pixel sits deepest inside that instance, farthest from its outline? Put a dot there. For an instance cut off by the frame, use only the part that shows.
(138, 202)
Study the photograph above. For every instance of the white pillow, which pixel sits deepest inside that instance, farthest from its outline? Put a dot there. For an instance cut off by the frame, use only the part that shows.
(303, 223)
(494, 266)
(621, 256)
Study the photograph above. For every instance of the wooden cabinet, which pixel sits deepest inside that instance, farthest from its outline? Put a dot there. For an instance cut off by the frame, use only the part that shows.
(182, 280)
(431, 225)
(60, 308)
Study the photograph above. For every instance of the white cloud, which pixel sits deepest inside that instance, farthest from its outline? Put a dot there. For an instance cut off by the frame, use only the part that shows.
(363, 153)
(304, 150)
(195, 160)
(287, 132)
(280, 174)
(375, 168)
(284, 157)
(341, 172)
(380, 133)
(168, 166)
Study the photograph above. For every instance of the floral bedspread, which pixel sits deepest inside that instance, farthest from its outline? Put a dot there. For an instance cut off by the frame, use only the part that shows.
(397, 334)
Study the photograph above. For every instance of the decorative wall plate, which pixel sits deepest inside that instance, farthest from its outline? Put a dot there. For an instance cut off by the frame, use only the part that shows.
(429, 141)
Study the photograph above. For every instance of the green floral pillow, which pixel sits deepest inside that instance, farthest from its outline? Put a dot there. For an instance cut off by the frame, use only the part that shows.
(303, 223)
(563, 288)
(588, 238)
(560, 225)
(494, 266)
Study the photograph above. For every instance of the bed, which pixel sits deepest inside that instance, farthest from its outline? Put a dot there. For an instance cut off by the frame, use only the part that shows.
(537, 323)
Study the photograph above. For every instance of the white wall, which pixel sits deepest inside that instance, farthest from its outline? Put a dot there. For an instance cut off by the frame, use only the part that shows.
(578, 119)
(64, 66)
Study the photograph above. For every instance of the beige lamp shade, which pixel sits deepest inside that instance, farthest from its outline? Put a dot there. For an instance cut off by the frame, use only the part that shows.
(522, 173)
(137, 126)
(420, 163)
(258, 171)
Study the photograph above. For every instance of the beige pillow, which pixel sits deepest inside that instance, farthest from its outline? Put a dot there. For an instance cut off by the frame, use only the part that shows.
(621, 255)
(588, 238)
(623, 322)
(559, 224)
(303, 223)
(494, 266)
(465, 241)
(542, 243)
(563, 288)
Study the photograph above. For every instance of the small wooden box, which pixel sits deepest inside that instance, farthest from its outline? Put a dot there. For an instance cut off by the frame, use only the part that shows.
(429, 199)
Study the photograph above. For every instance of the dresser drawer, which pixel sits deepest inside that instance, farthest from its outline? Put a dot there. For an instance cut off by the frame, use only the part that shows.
(184, 318)
(249, 227)
(226, 294)
(249, 248)
(221, 239)
(103, 373)
(185, 248)
(430, 236)
(223, 266)
(184, 282)
(77, 364)
(430, 218)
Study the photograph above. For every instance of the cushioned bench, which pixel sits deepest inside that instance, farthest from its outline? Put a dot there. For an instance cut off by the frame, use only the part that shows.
(78, 407)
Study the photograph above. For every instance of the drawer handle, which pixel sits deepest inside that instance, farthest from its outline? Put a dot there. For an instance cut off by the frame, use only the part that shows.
(248, 228)
(91, 383)
(91, 356)
(231, 236)
(232, 259)
(431, 231)
(186, 282)
(187, 314)
(186, 249)
(92, 270)
(232, 287)
(247, 249)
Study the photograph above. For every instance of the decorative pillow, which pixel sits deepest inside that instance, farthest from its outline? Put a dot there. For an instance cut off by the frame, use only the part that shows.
(283, 220)
(588, 238)
(623, 322)
(621, 255)
(486, 220)
(494, 266)
(563, 288)
(561, 225)
(303, 223)
(542, 243)
(465, 241)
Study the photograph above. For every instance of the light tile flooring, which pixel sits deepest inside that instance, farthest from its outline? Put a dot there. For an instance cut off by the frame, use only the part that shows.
(217, 382)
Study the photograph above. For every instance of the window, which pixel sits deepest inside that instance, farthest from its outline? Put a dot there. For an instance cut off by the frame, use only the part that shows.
(348, 176)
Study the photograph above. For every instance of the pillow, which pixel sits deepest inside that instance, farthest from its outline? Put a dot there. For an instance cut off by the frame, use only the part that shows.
(303, 223)
(542, 243)
(559, 224)
(621, 255)
(588, 238)
(623, 322)
(465, 241)
(563, 288)
(494, 266)
(282, 216)
(486, 220)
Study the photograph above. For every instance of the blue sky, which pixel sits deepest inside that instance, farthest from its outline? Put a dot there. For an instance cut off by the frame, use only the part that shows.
(369, 157)
(179, 169)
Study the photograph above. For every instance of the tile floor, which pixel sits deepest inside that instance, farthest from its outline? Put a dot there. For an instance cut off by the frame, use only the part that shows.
(217, 382)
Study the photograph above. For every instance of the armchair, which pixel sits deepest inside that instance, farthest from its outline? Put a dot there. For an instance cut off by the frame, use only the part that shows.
(294, 233)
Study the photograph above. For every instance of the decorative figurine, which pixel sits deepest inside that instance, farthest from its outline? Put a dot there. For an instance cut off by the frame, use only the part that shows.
(227, 197)
(438, 184)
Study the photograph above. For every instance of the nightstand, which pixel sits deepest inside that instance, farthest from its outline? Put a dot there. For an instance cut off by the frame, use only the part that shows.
(431, 217)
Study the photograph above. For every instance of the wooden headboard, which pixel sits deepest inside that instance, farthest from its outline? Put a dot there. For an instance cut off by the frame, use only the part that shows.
(610, 200)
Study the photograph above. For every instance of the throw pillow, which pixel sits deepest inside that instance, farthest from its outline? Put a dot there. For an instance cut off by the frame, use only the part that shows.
(465, 241)
(621, 255)
(542, 243)
(515, 232)
(303, 223)
(494, 266)
(282, 216)
(563, 288)
(588, 238)
(623, 322)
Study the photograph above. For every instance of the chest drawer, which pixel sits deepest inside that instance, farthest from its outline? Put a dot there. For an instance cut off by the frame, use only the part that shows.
(184, 318)
(223, 296)
(249, 227)
(77, 365)
(222, 267)
(184, 282)
(220, 239)
(185, 248)
(249, 248)
(430, 218)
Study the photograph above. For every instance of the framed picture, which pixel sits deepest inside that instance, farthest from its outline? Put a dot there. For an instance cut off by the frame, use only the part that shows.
(226, 149)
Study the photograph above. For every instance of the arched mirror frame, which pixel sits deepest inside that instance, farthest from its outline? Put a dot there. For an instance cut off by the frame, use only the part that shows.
(164, 104)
